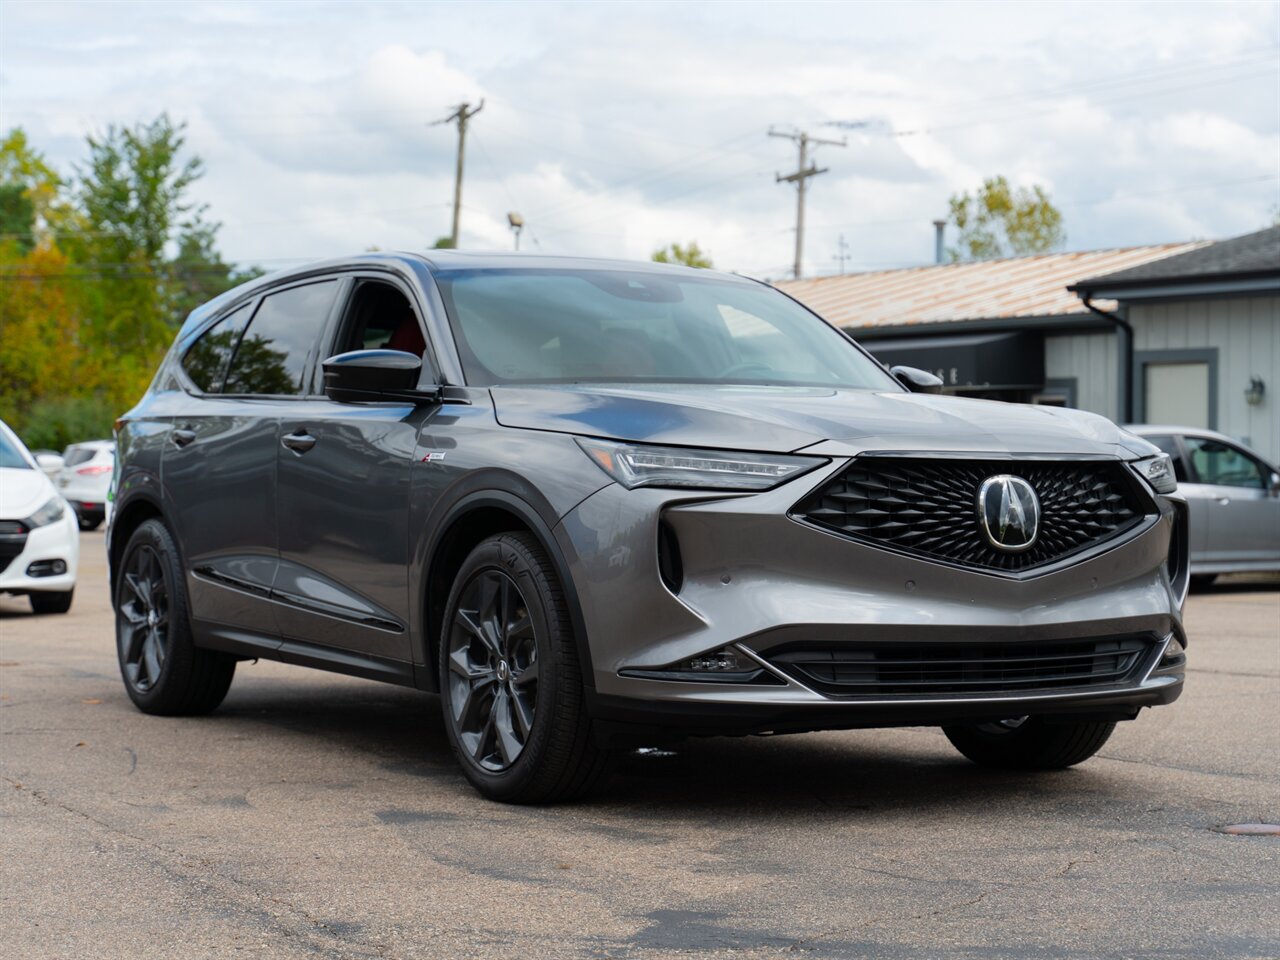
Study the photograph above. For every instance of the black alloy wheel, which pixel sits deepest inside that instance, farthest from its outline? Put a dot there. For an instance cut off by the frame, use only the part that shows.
(493, 670)
(144, 611)
(511, 682)
(164, 671)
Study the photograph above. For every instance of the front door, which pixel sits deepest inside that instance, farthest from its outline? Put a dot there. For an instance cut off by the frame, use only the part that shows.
(343, 480)
(1243, 514)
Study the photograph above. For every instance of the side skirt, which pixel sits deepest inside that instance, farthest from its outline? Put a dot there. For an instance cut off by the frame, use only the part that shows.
(252, 646)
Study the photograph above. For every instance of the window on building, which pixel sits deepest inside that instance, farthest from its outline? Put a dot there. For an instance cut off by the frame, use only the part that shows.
(1177, 393)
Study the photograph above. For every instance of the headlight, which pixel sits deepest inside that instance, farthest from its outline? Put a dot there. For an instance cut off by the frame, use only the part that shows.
(47, 514)
(634, 465)
(1158, 471)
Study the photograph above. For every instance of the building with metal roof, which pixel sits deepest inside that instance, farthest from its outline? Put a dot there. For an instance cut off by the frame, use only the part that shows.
(1177, 332)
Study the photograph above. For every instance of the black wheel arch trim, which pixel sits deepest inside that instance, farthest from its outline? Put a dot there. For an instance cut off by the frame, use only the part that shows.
(516, 496)
(125, 503)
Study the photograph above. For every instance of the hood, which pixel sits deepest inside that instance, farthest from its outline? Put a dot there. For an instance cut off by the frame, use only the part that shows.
(779, 419)
(23, 492)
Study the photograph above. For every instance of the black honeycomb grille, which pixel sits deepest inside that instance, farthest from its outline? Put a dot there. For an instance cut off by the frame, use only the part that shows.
(929, 507)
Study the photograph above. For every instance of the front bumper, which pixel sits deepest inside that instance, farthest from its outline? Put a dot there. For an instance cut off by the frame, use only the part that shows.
(753, 576)
(59, 540)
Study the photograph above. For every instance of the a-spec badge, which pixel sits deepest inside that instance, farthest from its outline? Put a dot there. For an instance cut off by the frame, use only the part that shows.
(1008, 513)
(433, 455)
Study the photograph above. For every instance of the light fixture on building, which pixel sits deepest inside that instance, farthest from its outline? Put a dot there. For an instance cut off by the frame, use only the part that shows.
(1255, 391)
(516, 223)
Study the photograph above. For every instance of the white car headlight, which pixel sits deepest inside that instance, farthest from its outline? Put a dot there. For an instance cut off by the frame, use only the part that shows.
(1158, 471)
(47, 514)
(639, 465)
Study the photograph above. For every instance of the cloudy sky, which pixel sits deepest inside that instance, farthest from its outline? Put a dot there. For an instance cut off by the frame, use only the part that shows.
(614, 128)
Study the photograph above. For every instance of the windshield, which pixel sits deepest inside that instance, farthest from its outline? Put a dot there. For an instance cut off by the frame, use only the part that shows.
(565, 326)
(10, 456)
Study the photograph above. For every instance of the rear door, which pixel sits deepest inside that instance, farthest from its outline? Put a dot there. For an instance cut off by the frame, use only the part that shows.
(218, 468)
(1243, 514)
(344, 474)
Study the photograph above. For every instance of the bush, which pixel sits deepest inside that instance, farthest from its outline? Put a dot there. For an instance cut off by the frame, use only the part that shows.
(54, 424)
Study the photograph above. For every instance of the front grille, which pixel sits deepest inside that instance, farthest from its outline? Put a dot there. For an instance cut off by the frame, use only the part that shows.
(963, 668)
(929, 507)
(13, 540)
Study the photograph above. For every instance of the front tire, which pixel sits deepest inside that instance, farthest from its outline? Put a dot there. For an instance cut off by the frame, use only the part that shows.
(511, 684)
(52, 601)
(1029, 743)
(164, 671)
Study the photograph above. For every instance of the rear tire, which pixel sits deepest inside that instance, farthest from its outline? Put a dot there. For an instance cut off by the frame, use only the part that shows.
(511, 684)
(88, 525)
(1029, 743)
(51, 601)
(164, 671)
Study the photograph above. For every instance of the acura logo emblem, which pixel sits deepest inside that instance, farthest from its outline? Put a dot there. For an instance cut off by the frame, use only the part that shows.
(1008, 512)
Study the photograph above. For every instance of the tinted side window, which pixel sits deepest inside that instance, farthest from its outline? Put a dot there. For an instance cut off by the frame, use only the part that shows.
(1224, 465)
(272, 355)
(1169, 445)
(206, 360)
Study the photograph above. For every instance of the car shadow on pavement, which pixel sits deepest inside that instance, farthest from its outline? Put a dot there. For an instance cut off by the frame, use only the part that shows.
(868, 771)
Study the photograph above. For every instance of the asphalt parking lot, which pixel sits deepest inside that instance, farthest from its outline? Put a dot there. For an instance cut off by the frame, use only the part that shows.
(315, 815)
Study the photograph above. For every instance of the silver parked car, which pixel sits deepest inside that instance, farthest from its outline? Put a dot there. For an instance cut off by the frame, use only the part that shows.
(596, 504)
(1234, 498)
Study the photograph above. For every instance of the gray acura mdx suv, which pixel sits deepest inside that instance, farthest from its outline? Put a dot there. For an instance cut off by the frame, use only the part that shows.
(597, 504)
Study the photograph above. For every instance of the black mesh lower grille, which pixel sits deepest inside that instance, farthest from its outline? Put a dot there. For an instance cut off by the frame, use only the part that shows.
(961, 668)
(929, 507)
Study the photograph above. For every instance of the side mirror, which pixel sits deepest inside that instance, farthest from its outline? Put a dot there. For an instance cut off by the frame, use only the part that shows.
(49, 463)
(372, 376)
(916, 380)
(1273, 485)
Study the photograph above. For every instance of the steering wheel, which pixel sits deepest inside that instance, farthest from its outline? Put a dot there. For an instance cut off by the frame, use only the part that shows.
(744, 367)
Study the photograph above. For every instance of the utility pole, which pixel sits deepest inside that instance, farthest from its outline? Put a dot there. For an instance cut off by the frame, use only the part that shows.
(803, 173)
(842, 248)
(461, 115)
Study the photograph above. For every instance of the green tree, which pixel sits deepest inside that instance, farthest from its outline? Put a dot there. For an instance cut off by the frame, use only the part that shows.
(1000, 221)
(133, 190)
(690, 256)
(33, 204)
(443, 243)
(17, 216)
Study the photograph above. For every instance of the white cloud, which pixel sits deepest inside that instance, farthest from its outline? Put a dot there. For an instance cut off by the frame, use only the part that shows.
(617, 128)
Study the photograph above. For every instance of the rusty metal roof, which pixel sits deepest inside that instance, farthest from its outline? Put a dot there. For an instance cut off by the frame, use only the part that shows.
(1032, 286)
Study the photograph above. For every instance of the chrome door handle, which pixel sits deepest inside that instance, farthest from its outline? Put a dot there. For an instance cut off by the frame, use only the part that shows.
(182, 436)
(299, 441)
(1224, 500)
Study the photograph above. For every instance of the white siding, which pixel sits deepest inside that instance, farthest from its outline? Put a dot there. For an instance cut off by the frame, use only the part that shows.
(1091, 359)
(1246, 333)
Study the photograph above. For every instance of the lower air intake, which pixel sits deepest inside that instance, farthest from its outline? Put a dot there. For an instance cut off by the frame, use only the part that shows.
(963, 669)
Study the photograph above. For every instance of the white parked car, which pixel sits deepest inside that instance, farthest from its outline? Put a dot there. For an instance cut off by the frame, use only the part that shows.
(85, 479)
(39, 542)
(50, 461)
